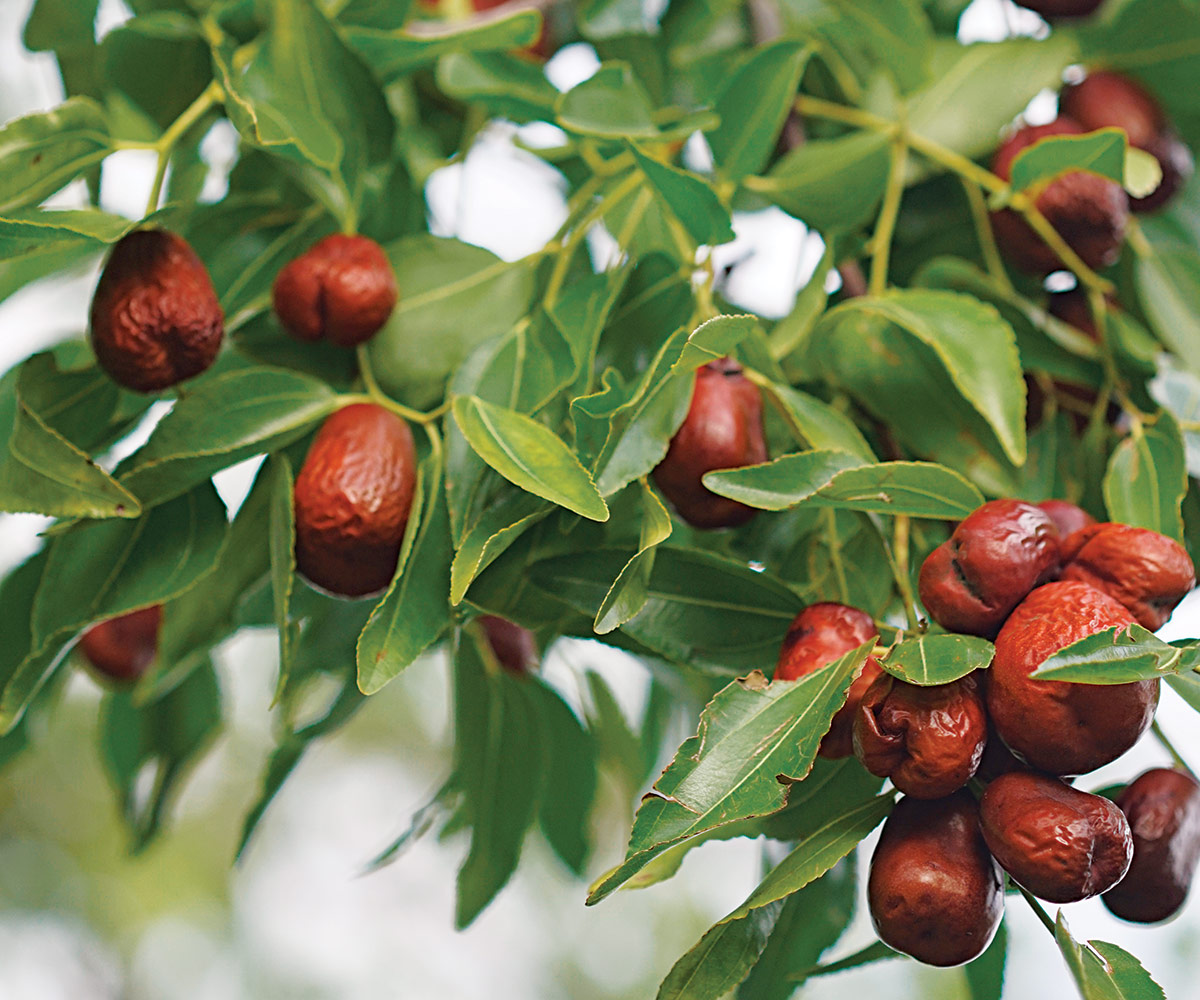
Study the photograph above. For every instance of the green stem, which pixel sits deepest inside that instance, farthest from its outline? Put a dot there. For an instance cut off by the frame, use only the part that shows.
(411, 415)
(817, 107)
(835, 554)
(885, 228)
(165, 144)
(1038, 909)
(368, 373)
(987, 238)
(901, 529)
(1167, 745)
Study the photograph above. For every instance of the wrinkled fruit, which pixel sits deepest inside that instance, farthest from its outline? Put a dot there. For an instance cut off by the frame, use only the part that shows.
(928, 740)
(352, 500)
(1067, 517)
(723, 429)
(1147, 572)
(820, 634)
(342, 290)
(934, 891)
(1088, 211)
(995, 556)
(122, 648)
(155, 318)
(1163, 809)
(1055, 726)
(1104, 99)
(1061, 844)
(514, 646)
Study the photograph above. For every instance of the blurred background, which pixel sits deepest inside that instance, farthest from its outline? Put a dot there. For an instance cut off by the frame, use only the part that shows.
(298, 918)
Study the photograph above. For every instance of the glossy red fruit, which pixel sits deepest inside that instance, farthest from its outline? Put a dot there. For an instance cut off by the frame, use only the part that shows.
(1051, 9)
(1067, 517)
(1163, 809)
(1147, 572)
(123, 648)
(820, 634)
(1054, 726)
(934, 891)
(342, 290)
(1061, 844)
(1104, 99)
(1088, 211)
(723, 429)
(155, 317)
(995, 556)
(352, 500)
(928, 740)
(514, 646)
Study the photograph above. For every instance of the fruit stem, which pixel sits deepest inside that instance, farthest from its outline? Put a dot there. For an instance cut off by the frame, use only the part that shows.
(368, 373)
(987, 238)
(900, 553)
(835, 554)
(212, 95)
(885, 227)
(819, 108)
(1037, 908)
(1167, 745)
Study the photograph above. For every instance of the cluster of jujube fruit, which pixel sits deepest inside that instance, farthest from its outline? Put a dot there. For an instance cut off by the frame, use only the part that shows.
(1035, 578)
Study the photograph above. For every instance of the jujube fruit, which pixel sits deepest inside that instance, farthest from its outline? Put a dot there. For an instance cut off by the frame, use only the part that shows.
(818, 635)
(934, 891)
(996, 555)
(352, 500)
(123, 647)
(1067, 517)
(155, 317)
(1147, 572)
(1088, 211)
(1056, 726)
(723, 429)
(1104, 99)
(1061, 844)
(514, 646)
(928, 740)
(342, 289)
(1163, 809)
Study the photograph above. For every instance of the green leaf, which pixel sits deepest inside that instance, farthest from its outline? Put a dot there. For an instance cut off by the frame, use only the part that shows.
(611, 104)
(42, 152)
(831, 184)
(393, 53)
(722, 958)
(701, 609)
(630, 590)
(1102, 971)
(1101, 152)
(938, 659)
(750, 734)
(1146, 479)
(713, 339)
(689, 198)
(166, 739)
(281, 546)
(753, 106)
(985, 974)
(1118, 655)
(569, 786)
(42, 472)
(818, 425)
(898, 34)
(453, 297)
(969, 338)
(507, 85)
(790, 335)
(1168, 287)
(1178, 391)
(221, 422)
(875, 952)
(414, 612)
(529, 455)
(500, 524)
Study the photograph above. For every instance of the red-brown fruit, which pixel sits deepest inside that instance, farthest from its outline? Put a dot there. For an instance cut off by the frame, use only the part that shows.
(352, 500)
(928, 740)
(1147, 572)
(514, 646)
(1163, 809)
(723, 429)
(1067, 517)
(1055, 726)
(995, 556)
(1051, 9)
(122, 648)
(1104, 99)
(1061, 844)
(1088, 211)
(934, 891)
(342, 289)
(155, 317)
(820, 634)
